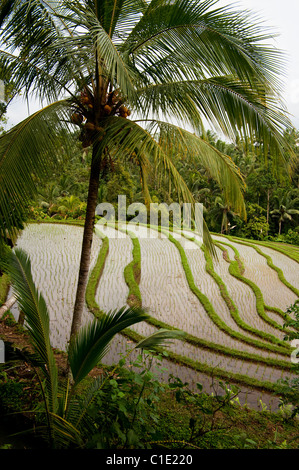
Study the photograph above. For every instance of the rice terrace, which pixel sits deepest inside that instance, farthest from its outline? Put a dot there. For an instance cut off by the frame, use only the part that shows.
(232, 309)
(149, 225)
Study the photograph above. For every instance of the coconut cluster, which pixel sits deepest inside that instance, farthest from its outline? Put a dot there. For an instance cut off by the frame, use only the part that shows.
(83, 115)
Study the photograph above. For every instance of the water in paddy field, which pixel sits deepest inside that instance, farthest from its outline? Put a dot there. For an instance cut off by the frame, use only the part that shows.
(55, 250)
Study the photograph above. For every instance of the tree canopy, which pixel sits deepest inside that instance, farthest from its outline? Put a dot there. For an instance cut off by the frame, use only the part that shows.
(136, 77)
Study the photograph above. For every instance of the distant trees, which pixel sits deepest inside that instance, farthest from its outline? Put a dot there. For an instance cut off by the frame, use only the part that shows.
(285, 208)
(119, 72)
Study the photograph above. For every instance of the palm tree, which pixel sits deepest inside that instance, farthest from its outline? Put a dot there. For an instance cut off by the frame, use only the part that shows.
(69, 204)
(223, 210)
(122, 72)
(67, 419)
(49, 195)
(285, 208)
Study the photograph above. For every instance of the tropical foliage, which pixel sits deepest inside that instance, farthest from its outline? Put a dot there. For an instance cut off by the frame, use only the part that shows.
(67, 417)
(120, 72)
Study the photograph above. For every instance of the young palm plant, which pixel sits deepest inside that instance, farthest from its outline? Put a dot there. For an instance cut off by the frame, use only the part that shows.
(135, 76)
(67, 423)
(223, 211)
(286, 208)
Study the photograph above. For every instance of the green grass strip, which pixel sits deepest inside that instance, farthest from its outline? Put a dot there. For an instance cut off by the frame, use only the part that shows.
(260, 305)
(277, 345)
(95, 275)
(241, 271)
(57, 222)
(271, 265)
(198, 342)
(290, 251)
(92, 285)
(279, 272)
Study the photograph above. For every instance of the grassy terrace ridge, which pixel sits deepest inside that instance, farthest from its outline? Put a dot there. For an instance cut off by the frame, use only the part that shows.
(208, 370)
(133, 282)
(270, 264)
(135, 287)
(260, 305)
(224, 293)
(231, 305)
(292, 251)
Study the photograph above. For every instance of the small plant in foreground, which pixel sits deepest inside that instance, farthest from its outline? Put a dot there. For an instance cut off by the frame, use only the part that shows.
(289, 388)
(124, 410)
(204, 409)
(65, 402)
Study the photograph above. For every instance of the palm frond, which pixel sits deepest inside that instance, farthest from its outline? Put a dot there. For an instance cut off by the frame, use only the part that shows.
(229, 105)
(27, 151)
(96, 43)
(5, 9)
(91, 343)
(65, 432)
(192, 35)
(160, 339)
(33, 305)
(178, 144)
(164, 143)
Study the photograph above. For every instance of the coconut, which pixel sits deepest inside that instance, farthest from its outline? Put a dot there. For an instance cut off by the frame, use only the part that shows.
(107, 109)
(90, 125)
(76, 118)
(84, 100)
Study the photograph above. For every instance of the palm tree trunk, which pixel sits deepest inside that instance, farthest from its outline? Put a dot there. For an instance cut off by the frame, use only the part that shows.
(268, 205)
(87, 241)
(7, 305)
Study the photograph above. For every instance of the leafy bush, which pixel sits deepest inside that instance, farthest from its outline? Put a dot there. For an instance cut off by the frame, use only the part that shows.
(257, 226)
(124, 410)
(290, 387)
(292, 237)
(11, 393)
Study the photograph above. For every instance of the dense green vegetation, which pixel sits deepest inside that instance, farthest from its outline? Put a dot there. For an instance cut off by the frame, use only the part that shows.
(140, 412)
(86, 149)
(65, 195)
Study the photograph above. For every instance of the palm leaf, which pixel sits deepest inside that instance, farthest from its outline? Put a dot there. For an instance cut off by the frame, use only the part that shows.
(92, 342)
(231, 106)
(159, 339)
(28, 151)
(33, 305)
(193, 35)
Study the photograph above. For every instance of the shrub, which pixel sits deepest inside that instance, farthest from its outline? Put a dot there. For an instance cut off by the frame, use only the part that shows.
(289, 388)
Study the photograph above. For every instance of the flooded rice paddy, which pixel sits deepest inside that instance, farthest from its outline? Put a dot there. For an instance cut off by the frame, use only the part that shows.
(55, 251)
